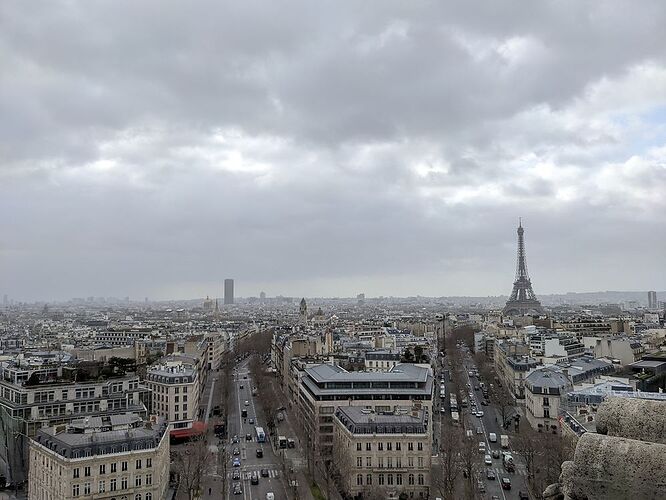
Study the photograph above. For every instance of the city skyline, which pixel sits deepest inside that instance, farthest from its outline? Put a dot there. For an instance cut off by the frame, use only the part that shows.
(338, 148)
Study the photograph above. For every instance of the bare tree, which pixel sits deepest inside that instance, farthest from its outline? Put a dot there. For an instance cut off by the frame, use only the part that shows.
(192, 464)
(445, 475)
(469, 457)
(502, 400)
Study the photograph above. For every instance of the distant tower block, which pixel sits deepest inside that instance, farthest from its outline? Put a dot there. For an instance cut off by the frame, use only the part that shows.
(228, 291)
(304, 312)
(652, 300)
(522, 300)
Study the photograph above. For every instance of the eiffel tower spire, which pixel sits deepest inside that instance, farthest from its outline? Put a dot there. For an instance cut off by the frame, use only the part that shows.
(522, 300)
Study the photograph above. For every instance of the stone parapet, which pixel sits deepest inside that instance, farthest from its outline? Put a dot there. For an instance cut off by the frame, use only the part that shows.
(608, 467)
(631, 418)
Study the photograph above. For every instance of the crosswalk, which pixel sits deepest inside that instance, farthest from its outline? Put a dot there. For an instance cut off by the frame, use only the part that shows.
(247, 475)
(501, 471)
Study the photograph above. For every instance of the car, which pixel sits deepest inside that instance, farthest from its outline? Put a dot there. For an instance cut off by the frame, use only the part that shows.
(496, 454)
(236, 475)
(260, 453)
(477, 388)
(238, 489)
(235, 439)
(251, 421)
(479, 413)
(523, 495)
(492, 437)
(245, 377)
(236, 451)
(494, 497)
(482, 447)
(242, 386)
(235, 462)
(254, 478)
(264, 472)
(490, 474)
(291, 443)
(480, 486)
(506, 483)
(270, 496)
(487, 460)
(247, 403)
(479, 430)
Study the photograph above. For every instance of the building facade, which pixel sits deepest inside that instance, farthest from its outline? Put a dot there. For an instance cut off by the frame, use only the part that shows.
(386, 452)
(117, 457)
(175, 392)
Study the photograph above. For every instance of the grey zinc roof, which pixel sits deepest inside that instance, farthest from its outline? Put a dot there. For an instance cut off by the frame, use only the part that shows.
(547, 377)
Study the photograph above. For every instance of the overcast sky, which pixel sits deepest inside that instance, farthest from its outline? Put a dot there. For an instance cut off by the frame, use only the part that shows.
(155, 148)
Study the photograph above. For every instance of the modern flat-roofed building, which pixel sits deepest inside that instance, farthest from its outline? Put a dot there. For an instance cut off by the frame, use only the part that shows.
(111, 457)
(324, 387)
(390, 451)
(228, 291)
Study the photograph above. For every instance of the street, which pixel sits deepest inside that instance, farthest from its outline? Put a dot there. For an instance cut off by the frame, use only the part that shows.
(249, 461)
(488, 423)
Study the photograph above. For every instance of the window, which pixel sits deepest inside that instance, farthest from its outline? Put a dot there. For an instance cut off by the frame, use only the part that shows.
(102, 486)
(398, 463)
(112, 485)
(86, 488)
(546, 413)
(421, 480)
(75, 490)
(149, 479)
(546, 402)
(398, 479)
(389, 462)
(359, 480)
(380, 446)
(380, 462)
(359, 462)
(138, 464)
(397, 446)
(389, 446)
(123, 466)
(137, 496)
(368, 447)
(420, 459)
(149, 462)
(137, 481)
(123, 483)
(419, 446)
(358, 446)
(113, 467)
(76, 473)
(368, 461)
(389, 479)
(149, 496)
(86, 471)
(381, 479)
(410, 446)
(368, 479)
(410, 480)
(410, 461)
(102, 469)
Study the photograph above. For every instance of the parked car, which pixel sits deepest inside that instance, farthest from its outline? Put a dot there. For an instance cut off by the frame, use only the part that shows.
(246, 403)
(479, 430)
(479, 413)
(506, 483)
(490, 474)
(487, 460)
(251, 421)
(522, 495)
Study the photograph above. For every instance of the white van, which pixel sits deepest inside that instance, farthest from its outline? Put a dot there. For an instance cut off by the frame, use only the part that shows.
(492, 437)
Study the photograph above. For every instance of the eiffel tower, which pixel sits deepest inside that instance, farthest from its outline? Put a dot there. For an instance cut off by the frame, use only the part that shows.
(522, 300)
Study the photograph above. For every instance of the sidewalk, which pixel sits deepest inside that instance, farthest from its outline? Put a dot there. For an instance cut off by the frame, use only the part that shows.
(298, 463)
